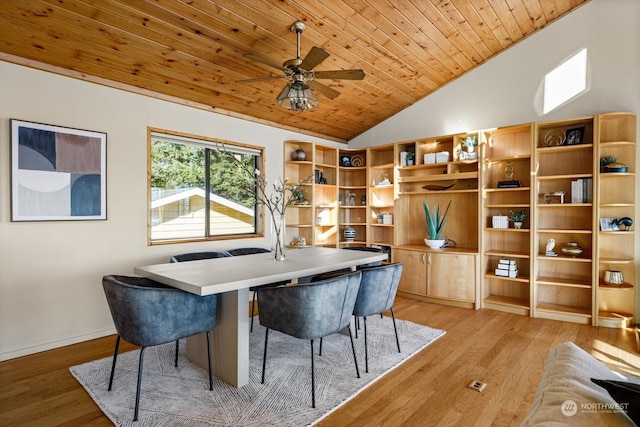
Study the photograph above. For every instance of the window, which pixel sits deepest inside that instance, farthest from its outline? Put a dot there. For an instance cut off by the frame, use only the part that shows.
(196, 193)
(565, 82)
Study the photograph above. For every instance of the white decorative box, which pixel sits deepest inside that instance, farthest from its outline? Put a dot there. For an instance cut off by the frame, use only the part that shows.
(500, 221)
(429, 158)
(442, 156)
(387, 219)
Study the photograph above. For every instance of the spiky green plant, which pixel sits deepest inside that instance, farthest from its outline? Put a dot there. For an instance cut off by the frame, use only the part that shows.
(607, 160)
(435, 222)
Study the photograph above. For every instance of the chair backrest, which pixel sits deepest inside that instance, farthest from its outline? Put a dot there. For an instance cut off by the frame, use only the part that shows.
(146, 312)
(195, 256)
(378, 289)
(310, 310)
(246, 251)
(366, 249)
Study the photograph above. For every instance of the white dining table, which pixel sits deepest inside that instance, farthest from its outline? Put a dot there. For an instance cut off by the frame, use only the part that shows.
(230, 278)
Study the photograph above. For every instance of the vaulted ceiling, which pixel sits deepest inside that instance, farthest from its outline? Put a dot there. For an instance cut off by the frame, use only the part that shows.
(192, 51)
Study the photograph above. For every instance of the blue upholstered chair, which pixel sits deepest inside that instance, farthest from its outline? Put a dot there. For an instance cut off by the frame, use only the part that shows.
(377, 293)
(310, 311)
(335, 273)
(249, 251)
(148, 313)
(366, 249)
(195, 256)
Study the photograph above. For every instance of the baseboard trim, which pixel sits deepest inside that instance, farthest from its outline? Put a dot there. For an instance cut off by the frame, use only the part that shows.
(26, 351)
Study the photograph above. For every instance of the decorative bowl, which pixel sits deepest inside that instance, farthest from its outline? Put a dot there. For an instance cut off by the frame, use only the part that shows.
(616, 168)
(572, 249)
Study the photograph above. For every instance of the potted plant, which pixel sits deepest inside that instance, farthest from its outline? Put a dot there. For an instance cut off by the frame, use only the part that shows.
(518, 217)
(470, 143)
(607, 160)
(609, 163)
(434, 223)
(410, 158)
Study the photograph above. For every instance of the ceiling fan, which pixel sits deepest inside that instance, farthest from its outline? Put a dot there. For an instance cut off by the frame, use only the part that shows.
(297, 94)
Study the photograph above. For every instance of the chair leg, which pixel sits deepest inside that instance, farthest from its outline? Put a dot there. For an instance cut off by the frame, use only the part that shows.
(135, 413)
(264, 357)
(353, 350)
(177, 346)
(366, 347)
(113, 365)
(313, 380)
(320, 352)
(253, 307)
(393, 316)
(209, 359)
(356, 322)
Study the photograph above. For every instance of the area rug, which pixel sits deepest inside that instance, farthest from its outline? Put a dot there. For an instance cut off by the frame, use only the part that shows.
(180, 396)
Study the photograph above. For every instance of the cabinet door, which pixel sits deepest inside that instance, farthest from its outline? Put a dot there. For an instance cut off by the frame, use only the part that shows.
(414, 273)
(451, 276)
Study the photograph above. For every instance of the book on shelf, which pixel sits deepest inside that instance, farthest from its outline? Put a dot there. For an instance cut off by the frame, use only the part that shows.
(512, 274)
(507, 268)
(509, 184)
(582, 190)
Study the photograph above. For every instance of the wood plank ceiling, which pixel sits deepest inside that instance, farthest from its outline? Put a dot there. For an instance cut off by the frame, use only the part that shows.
(192, 50)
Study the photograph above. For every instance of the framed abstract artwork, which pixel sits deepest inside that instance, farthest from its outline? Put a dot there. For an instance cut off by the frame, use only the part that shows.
(57, 173)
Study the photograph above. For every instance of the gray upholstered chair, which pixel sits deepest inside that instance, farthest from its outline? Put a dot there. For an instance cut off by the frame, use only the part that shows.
(366, 249)
(195, 256)
(249, 251)
(377, 293)
(310, 311)
(335, 273)
(148, 313)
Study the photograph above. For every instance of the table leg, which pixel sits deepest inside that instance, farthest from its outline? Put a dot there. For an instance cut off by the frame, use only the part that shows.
(230, 343)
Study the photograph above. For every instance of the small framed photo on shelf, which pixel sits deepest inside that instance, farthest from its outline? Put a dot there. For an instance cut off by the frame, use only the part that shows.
(575, 136)
(345, 161)
(609, 224)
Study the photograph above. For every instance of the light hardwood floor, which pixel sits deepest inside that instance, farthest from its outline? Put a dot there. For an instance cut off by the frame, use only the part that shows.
(506, 351)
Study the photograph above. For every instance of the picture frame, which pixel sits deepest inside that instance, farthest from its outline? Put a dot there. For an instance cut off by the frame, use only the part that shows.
(574, 136)
(57, 173)
(609, 224)
(345, 161)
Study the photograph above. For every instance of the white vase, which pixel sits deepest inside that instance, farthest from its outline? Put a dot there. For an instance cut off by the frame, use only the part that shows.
(434, 244)
(517, 224)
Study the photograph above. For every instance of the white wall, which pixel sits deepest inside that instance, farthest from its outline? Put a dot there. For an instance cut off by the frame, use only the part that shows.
(50, 272)
(50, 289)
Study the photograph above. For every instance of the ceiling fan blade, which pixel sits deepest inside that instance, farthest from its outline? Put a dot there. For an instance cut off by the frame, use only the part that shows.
(323, 89)
(340, 74)
(264, 61)
(315, 56)
(262, 79)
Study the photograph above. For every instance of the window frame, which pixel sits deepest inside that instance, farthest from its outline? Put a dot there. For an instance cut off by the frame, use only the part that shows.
(212, 143)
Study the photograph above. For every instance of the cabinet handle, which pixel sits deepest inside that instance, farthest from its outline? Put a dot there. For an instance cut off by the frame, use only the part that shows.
(428, 259)
(424, 259)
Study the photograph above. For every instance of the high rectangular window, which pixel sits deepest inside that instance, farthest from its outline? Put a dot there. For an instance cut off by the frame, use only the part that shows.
(565, 82)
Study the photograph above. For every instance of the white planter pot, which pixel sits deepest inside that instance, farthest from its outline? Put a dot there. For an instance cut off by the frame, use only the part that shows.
(434, 244)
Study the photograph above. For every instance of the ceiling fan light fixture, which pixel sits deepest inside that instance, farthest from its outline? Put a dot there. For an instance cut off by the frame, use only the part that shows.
(297, 96)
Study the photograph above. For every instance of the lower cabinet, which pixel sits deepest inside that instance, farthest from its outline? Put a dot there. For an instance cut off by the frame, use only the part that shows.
(443, 277)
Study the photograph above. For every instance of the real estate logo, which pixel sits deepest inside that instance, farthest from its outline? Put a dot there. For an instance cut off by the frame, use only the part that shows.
(569, 408)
